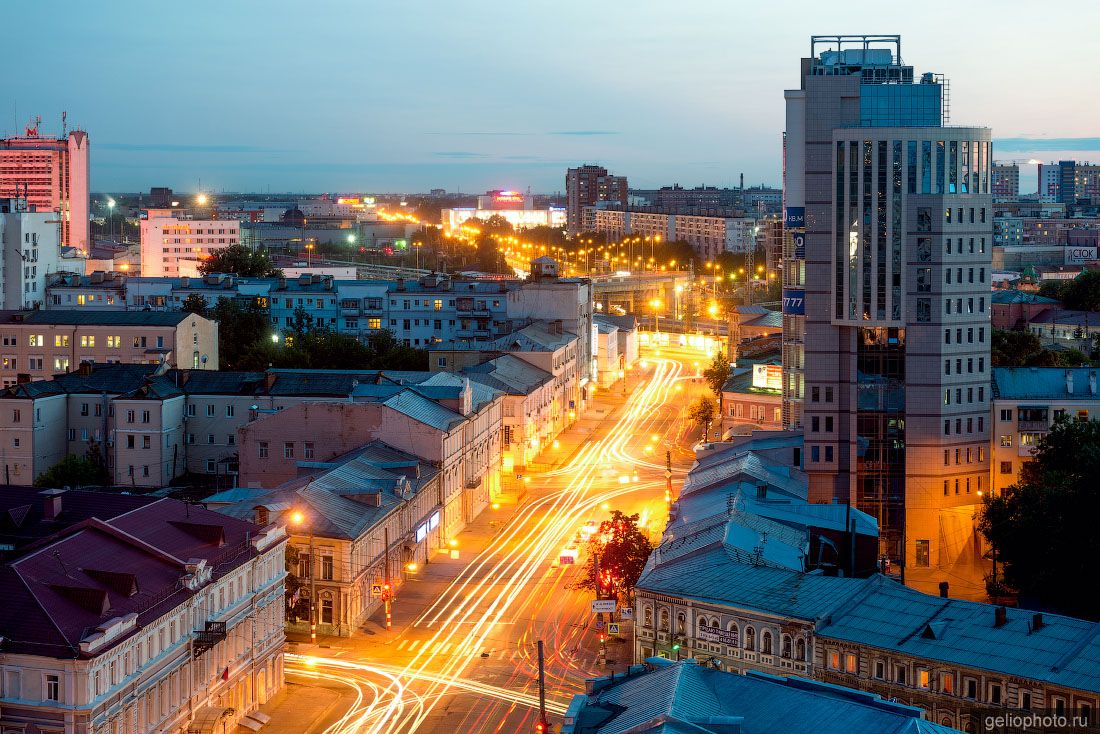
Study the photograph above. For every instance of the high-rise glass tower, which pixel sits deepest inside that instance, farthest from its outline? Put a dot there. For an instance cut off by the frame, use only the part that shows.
(887, 299)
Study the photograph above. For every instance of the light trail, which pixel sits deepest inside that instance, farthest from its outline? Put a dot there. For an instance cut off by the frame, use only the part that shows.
(492, 586)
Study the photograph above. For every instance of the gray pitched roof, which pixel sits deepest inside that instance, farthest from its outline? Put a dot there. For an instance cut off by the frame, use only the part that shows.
(421, 409)
(107, 318)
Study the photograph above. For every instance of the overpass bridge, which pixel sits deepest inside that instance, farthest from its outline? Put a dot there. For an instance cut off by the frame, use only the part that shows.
(633, 291)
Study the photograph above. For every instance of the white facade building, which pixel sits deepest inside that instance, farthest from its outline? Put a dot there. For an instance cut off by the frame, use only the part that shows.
(31, 250)
(171, 247)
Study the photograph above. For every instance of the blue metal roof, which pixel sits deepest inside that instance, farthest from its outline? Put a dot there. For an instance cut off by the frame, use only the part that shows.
(1043, 383)
(684, 697)
(419, 408)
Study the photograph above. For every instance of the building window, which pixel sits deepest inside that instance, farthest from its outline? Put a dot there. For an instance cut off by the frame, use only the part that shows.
(971, 687)
(326, 568)
(900, 673)
(53, 688)
(229, 411)
(923, 679)
(262, 449)
(947, 683)
(288, 450)
(308, 449)
(851, 664)
(1006, 441)
(880, 670)
(834, 660)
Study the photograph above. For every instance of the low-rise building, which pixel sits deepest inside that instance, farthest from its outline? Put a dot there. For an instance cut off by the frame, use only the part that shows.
(527, 426)
(1014, 309)
(160, 616)
(752, 398)
(40, 344)
(357, 523)
(1026, 403)
(739, 600)
(1066, 328)
(457, 429)
(663, 697)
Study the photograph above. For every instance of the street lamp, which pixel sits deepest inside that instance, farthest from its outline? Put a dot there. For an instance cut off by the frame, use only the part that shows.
(309, 254)
(299, 519)
(656, 305)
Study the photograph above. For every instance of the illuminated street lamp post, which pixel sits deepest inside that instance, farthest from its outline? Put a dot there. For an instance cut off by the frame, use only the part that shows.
(309, 254)
(656, 305)
(299, 519)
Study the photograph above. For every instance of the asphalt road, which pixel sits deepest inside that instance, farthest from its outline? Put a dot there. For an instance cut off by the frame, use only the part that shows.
(465, 659)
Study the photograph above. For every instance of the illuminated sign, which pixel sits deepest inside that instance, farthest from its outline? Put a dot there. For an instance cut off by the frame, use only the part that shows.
(508, 197)
(796, 217)
(798, 236)
(768, 376)
(350, 201)
(794, 301)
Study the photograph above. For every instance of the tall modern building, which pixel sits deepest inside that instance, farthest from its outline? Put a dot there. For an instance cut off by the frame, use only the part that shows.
(586, 186)
(51, 174)
(889, 215)
(1006, 181)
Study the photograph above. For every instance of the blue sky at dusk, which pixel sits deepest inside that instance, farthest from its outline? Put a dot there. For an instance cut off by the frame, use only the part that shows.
(371, 96)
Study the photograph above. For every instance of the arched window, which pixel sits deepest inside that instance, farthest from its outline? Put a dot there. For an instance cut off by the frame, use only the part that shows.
(647, 616)
(714, 623)
(664, 620)
(681, 623)
(735, 634)
(785, 651)
(766, 642)
(702, 623)
(800, 649)
(750, 638)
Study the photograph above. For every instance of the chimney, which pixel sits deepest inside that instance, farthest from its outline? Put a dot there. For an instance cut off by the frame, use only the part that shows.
(400, 284)
(51, 503)
(555, 326)
(1069, 382)
(1092, 382)
(761, 491)
(85, 369)
(1037, 622)
(185, 281)
(943, 589)
(1000, 618)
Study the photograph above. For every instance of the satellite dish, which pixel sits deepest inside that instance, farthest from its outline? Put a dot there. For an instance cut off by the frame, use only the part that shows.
(204, 359)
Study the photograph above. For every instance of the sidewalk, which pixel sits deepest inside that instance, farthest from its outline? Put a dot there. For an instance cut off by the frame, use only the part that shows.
(303, 708)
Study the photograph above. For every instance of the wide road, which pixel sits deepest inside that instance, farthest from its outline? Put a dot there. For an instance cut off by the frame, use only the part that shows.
(468, 663)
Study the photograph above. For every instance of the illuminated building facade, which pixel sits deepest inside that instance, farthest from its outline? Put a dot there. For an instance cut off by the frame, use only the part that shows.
(890, 217)
(52, 175)
(172, 247)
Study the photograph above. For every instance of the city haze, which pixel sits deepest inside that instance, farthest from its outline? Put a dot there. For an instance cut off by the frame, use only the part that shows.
(354, 96)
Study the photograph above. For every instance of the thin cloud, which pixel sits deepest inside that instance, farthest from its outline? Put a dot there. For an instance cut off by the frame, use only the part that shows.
(459, 154)
(174, 148)
(1025, 145)
(584, 133)
(479, 133)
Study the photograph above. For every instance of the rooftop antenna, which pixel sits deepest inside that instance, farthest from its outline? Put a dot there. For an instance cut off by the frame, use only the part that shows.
(64, 124)
(64, 568)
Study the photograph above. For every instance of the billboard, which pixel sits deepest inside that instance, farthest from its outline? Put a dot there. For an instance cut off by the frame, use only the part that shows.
(768, 376)
(796, 217)
(1077, 254)
(794, 301)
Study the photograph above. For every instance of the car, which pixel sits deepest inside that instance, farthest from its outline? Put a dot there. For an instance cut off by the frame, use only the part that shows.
(590, 527)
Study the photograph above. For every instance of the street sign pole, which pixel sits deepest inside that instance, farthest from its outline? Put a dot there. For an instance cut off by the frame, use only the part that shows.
(542, 692)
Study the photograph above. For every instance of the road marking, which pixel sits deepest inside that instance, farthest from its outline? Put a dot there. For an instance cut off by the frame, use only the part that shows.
(413, 645)
(401, 646)
(446, 648)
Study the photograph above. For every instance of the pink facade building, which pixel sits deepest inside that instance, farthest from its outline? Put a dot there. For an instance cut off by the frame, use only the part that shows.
(52, 175)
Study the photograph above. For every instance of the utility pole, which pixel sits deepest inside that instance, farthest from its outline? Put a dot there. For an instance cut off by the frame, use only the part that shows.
(543, 726)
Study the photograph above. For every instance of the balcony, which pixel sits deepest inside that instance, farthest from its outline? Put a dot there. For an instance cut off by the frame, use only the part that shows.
(207, 638)
(1039, 426)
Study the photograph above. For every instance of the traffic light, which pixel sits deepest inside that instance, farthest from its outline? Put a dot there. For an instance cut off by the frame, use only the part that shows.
(540, 728)
(675, 646)
(602, 638)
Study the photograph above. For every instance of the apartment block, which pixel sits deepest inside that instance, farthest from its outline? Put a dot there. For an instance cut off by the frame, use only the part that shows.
(586, 186)
(39, 344)
(51, 175)
(171, 246)
(31, 253)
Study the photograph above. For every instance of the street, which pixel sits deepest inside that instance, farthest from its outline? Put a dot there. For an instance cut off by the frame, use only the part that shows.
(461, 656)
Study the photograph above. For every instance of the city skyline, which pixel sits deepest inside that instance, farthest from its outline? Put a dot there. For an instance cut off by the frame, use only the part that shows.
(410, 101)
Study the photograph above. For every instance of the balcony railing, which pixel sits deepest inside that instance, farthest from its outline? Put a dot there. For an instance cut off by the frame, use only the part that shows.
(1034, 426)
(207, 638)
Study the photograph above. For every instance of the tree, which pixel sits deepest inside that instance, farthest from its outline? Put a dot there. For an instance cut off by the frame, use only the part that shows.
(717, 373)
(195, 303)
(1083, 292)
(622, 549)
(1024, 349)
(703, 411)
(74, 471)
(244, 335)
(1042, 528)
(241, 260)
